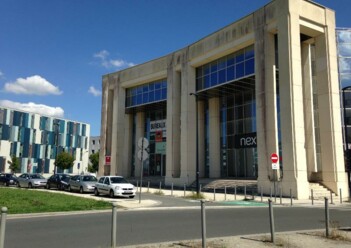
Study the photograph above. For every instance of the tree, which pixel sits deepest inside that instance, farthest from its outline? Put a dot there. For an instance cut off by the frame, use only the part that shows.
(64, 160)
(94, 160)
(14, 164)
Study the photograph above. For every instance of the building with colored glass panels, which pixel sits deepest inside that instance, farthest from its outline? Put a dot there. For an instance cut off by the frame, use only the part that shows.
(36, 140)
(265, 84)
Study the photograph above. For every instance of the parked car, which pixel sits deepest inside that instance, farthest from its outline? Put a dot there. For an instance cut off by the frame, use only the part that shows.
(8, 179)
(59, 181)
(82, 183)
(31, 180)
(114, 186)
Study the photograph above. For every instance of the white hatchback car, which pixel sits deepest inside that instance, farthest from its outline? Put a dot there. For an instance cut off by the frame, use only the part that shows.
(114, 186)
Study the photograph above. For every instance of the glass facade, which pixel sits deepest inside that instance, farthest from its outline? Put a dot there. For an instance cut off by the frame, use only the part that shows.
(146, 93)
(226, 69)
(36, 139)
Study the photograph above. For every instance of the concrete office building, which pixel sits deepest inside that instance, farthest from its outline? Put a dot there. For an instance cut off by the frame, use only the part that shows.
(267, 83)
(94, 145)
(36, 140)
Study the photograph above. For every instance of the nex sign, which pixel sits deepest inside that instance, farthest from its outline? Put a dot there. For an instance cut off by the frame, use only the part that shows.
(245, 140)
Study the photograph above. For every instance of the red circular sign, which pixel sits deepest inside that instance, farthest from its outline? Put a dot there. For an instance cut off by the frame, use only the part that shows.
(274, 158)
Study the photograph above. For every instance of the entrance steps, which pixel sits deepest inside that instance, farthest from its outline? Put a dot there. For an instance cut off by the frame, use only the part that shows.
(209, 185)
(320, 191)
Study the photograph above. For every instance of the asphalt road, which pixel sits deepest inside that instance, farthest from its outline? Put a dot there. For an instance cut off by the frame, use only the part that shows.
(159, 225)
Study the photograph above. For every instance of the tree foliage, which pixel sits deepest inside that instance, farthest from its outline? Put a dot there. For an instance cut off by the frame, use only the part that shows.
(94, 160)
(64, 160)
(14, 164)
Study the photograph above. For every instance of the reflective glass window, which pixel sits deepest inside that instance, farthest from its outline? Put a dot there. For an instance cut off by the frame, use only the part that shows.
(239, 68)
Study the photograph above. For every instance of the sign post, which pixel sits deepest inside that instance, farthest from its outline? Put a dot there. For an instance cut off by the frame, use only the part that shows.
(275, 168)
(143, 144)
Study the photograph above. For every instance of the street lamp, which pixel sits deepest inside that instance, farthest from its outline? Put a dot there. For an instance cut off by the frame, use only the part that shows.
(197, 145)
(347, 150)
(57, 125)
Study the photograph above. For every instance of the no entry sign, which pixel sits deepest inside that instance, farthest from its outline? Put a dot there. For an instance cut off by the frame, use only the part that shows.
(274, 158)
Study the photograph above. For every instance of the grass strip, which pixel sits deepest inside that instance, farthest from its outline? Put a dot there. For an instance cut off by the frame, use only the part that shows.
(23, 201)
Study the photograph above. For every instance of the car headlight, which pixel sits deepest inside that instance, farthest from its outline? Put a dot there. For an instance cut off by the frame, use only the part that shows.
(117, 188)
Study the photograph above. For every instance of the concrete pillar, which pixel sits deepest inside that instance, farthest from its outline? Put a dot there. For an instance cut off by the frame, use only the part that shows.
(139, 133)
(266, 101)
(214, 137)
(308, 110)
(173, 121)
(291, 100)
(333, 168)
(188, 123)
(201, 138)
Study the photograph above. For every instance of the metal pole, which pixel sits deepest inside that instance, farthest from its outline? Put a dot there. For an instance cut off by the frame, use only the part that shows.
(148, 186)
(312, 196)
(281, 193)
(172, 190)
(203, 223)
(326, 216)
(331, 197)
(271, 220)
(235, 192)
(197, 144)
(200, 188)
(340, 196)
(261, 194)
(270, 197)
(114, 225)
(214, 193)
(275, 193)
(141, 167)
(3, 226)
(184, 189)
(160, 186)
(225, 193)
(245, 191)
(291, 200)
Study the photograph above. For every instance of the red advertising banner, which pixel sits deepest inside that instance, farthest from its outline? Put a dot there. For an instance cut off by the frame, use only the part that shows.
(107, 160)
(158, 136)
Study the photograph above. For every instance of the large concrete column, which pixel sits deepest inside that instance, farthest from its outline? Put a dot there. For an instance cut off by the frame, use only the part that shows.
(126, 167)
(188, 123)
(333, 170)
(214, 139)
(201, 138)
(306, 60)
(139, 133)
(266, 101)
(291, 100)
(173, 121)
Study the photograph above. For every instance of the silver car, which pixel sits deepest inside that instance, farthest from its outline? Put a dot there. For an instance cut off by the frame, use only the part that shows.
(31, 181)
(82, 183)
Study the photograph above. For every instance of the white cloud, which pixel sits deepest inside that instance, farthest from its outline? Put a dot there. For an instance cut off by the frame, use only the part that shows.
(107, 62)
(34, 108)
(94, 91)
(34, 85)
(2, 75)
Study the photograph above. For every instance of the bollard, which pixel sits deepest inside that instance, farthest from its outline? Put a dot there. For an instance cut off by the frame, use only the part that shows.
(275, 193)
(160, 186)
(114, 225)
(261, 194)
(3, 226)
(184, 189)
(245, 192)
(281, 193)
(271, 220)
(291, 200)
(148, 186)
(200, 188)
(214, 193)
(235, 192)
(137, 184)
(225, 193)
(326, 216)
(331, 197)
(172, 190)
(203, 223)
(340, 196)
(253, 194)
(312, 196)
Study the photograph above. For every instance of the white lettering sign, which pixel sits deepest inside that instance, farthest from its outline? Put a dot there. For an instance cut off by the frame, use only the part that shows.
(157, 125)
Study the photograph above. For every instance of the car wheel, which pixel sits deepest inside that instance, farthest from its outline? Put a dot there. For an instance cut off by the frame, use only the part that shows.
(57, 186)
(30, 185)
(69, 188)
(81, 190)
(19, 185)
(131, 196)
(48, 186)
(7, 184)
(96, 192)
(112, 195)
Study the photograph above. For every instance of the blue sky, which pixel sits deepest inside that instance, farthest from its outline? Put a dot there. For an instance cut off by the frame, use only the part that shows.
(53, 54)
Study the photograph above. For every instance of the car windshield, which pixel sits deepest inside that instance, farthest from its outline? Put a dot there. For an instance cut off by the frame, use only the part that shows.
(64, 177)
(89, 179)
(118, 180)
(36, 176)
(10, 176)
